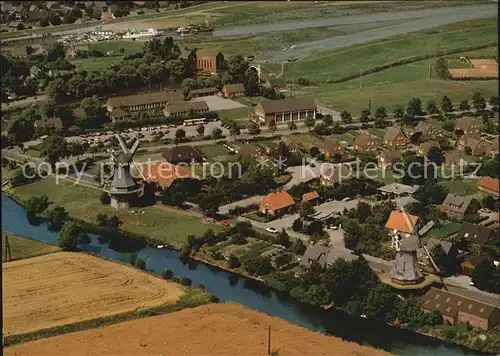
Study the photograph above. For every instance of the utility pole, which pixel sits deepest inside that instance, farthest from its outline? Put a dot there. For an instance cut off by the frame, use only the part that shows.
(269, 341)
(8, 254)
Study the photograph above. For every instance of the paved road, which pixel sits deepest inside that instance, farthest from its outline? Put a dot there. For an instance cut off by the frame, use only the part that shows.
(416, 20)
(24, 102)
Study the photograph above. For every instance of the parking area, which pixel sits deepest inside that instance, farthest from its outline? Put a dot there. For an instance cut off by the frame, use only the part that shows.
(217, 103)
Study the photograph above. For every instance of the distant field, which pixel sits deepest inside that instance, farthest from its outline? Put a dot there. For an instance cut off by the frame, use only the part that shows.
(64, 288)
(334, 64)
(22, 247)
(96, 64)
(118, 46)
(82, 202)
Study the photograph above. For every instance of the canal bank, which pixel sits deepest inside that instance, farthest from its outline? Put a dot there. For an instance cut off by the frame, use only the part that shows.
(248, 292)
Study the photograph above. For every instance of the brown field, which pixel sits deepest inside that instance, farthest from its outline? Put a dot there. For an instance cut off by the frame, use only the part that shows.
(480, 68)
(214, 329)
(63, 288)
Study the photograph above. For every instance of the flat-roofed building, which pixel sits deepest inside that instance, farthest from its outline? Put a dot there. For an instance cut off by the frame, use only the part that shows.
(140, 102)
(285, 110)
(185, 109)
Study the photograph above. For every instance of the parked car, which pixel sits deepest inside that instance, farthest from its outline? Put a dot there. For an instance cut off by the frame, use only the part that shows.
(225, 223)
(485, 210)
(272, 230)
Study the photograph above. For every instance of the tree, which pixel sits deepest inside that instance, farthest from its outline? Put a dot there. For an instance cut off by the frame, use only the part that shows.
(211, 202)
(76, 149)
(114, 222)
(478, 101)
(309, 122)
(179, 135)
(363, 211)
(365, 116)
(68, 236)
(464, 105)
(435, 155)
(141, 264)
(102, 220)
(298, 247)
(56, 217)
(234, 130)
(257, 265)
(216, 133)
(398, 112)
(494, 103)
(381, 113)
(346, 117)
(292, 126)
(380, 303)
(175, 195)
(328, 120)
(167, 273)
(272, 125)
(306, 209)
(54, 148)
(414, 108)
(233, 262)
(185, 281)
(37, 205)
(431, 107)
(55, 20)
(283, 239)
(446, 104)
(200, 130)
(486, 276)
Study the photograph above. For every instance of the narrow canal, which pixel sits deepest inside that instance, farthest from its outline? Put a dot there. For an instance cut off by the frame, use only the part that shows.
(252, 294)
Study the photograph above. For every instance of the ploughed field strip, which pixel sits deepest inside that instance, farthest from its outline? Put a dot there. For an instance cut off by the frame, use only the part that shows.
(215, 329)
(64, 288)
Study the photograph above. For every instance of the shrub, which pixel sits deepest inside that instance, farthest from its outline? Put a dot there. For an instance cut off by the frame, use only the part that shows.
(185, 281)
(105, 198)
(140, 263)
(167, 274)
(234, 262)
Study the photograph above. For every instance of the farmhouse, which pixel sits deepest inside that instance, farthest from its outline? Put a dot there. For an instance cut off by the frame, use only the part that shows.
(468, 266)
(489, 185)
(457, 207)
(336, 174)
(395, 138)
(277, 204)
(278, 84)
(196, 93)
(139, 102)
(475, 236)
(233, 90)
(286, 110)
(182, 154)
(118, 114)
(424, 148)
(472, 145)
(311, 197)
(49, 123)
(426, 131)
(388, 158)
(164, 173)
(398, 222)
(457, 309)
(398, 189)
(365, 143)
(468, 125)
(185, 108)
(453, 157)
(330, 147)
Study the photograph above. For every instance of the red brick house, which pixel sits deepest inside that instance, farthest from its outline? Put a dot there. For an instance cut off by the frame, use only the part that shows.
(366, 143)
(387, 159)
(331, 147)
(489, 185)
(473, 145)
(277, 204)
(233, 90)
(468, 126)
(395, 138)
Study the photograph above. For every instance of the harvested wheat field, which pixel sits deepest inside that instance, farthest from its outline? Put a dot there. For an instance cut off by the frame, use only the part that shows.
(63, 288)
(214, 329)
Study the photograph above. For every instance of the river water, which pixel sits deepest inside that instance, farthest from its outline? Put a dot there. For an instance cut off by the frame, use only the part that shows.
(252, 294)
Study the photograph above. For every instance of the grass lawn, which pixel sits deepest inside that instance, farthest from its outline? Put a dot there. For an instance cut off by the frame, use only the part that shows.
(461, 186)
(83, 202)
(457, 63)
(306, 140)
(238, 115)
(445, 230)
(212, 151)
(22, 247)
(386, 177)
(334, 64)
(96, 64)
(123, 46)
(376, 132)
(7, 174)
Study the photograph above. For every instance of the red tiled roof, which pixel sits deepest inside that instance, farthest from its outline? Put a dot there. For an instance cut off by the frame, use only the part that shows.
(277, 200)
(310, 196)
(492, 184)
(164, 173)
(397, 222)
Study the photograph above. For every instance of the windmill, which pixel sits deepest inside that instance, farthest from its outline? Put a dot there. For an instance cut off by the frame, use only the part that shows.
(123, 188)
